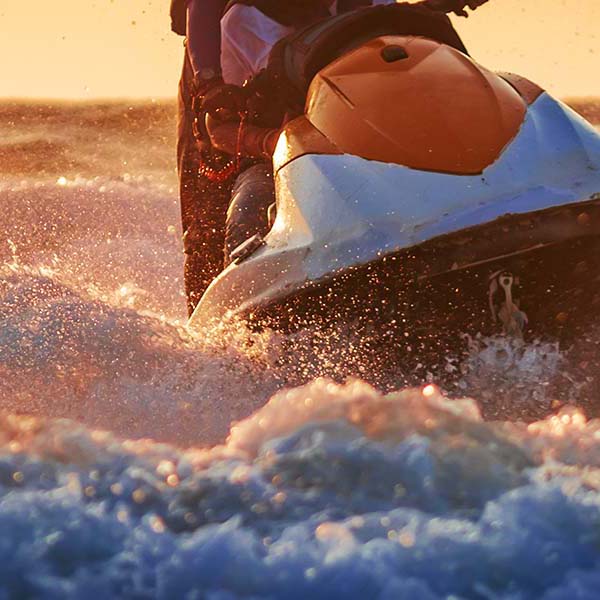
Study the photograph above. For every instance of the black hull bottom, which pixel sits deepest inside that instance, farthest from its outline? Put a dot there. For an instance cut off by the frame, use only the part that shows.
(414, 309)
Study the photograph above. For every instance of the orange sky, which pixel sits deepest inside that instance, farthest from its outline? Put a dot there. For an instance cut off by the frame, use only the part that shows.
(123, 48)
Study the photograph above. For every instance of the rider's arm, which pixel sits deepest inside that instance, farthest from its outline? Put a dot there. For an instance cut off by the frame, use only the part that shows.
(235, 138)
(204, 37)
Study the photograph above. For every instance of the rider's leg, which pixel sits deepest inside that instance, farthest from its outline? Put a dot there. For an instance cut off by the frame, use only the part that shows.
(253, 193)
(203, 203)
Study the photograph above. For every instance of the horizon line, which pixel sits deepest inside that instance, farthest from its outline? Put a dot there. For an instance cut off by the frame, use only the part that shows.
(163, 99)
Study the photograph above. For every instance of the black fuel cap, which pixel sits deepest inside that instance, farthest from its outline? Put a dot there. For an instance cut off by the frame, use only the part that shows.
(394, 53)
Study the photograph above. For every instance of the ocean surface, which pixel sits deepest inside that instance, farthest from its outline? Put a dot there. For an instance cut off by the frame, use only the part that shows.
(138, 460)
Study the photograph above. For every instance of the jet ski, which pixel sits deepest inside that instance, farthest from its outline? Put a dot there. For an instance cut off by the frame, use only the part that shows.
(422, 191)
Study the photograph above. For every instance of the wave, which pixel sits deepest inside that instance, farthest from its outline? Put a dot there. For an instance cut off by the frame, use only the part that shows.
(123, 116)
(589, 108)
(326, 492)
(102, 234)
(32, 156)
(64, 353)
(86, 139)
(92, 313)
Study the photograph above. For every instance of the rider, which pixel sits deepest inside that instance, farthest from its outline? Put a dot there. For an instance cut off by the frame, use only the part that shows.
(250, 29)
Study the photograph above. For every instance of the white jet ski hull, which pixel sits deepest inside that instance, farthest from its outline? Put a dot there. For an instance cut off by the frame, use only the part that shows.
(341, 214)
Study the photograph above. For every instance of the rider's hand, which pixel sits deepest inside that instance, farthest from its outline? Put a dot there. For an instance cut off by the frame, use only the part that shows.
(456, 6)
(216, 98)
(223, 100)
(201, 88)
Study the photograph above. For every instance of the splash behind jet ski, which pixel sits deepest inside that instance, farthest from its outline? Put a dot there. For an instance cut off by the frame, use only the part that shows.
(420, 190)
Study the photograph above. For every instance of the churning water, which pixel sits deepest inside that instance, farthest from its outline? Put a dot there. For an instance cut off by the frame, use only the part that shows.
(138, 460)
